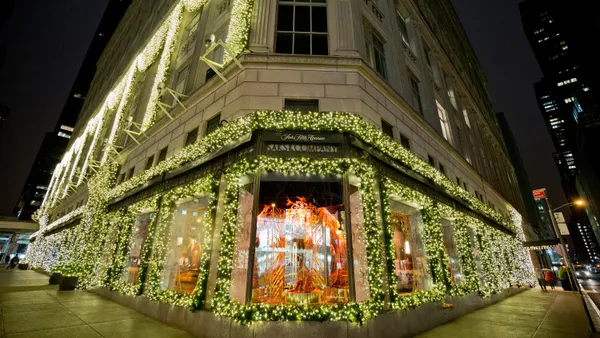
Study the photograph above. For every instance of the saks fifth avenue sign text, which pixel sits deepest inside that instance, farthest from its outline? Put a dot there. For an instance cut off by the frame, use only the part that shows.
(302, 137)
(304, 148)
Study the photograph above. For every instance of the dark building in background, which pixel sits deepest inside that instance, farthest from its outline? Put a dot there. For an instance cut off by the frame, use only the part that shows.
(559, 33)
(543, 230)
(6, 8)
(55, 142)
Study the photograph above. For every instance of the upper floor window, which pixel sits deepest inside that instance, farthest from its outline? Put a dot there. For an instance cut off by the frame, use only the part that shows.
(403, 28)
(302, 27)
(149, 162)
(466, 116)
(405, 141)
(301, 105)
(444, 124)
(375, 51)
(213, 123)
(387, 128)
(416, 94)
(162, 155)
(191, 137)
(452, 97)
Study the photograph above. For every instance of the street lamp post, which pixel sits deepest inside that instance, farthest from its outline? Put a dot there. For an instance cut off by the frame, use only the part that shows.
(568, 262)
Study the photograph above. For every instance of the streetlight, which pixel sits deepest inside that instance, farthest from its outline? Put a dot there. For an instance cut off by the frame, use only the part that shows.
(568, 262)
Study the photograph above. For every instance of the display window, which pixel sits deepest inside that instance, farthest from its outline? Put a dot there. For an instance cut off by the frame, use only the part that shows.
(186, 245)
(410, 263)
(301, 254)
(139, 237)
(451, 249)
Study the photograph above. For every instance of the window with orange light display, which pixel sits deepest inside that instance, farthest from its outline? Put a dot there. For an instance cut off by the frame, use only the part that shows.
(301, 253)
(410, 264)
(186, 246)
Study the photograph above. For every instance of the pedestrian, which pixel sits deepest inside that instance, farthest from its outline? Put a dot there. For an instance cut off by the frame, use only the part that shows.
(13, 263)
(2, 257)
(550, 278)
(540, 277)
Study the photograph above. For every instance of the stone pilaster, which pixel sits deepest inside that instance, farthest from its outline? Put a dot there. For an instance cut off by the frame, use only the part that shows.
(345, 27)
(262, 30)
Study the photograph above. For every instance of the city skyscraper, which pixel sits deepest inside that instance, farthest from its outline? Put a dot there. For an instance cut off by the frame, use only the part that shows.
(568, 98)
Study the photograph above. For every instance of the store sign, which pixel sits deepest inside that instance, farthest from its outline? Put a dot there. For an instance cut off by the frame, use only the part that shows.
(302, 148)
(562, 223)
(539, 193)
(302, 137)
(297, 143)
(299, 137)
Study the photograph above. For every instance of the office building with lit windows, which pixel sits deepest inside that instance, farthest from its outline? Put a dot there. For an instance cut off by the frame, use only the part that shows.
(568, 98)
(243, 161)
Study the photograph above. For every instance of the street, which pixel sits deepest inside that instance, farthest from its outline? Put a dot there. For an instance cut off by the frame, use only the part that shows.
(591, 285)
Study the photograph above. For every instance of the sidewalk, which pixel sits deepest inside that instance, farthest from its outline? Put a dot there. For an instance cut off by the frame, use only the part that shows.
(32, 308)
(532, 313)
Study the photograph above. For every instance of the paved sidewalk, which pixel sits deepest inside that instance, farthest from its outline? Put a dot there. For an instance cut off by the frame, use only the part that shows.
(32, 308)
(532, 313)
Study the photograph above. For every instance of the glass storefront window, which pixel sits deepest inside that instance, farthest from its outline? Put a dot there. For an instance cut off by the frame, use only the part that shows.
(410, 263)
(301, 252)
(140, 232)
(450, 244)
(186, 246)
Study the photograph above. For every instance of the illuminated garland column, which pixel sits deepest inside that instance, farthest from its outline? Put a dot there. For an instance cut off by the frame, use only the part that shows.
(262, 32)
(174, 21)
(53, 181)
(123, 105)
(239, 28)
(92, 149)
(78, 149)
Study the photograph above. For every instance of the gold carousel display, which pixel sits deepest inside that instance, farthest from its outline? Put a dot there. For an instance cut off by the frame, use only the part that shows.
(301, 256)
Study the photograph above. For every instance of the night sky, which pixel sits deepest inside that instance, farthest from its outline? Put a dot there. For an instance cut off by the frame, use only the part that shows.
(47, 40)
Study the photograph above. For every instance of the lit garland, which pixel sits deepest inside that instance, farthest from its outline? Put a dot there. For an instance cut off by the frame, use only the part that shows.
(173, 23)
(93, 231)
(164, 39)
(126, 222)
(309, 121)
(63, 220)
(203, 187)
(239, 29)
(245, 313)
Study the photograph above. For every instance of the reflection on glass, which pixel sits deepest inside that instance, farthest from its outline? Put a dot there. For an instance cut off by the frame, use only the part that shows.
(301, 255)
(409, 261)
(186, 246)
(449, 243)
(140, 232)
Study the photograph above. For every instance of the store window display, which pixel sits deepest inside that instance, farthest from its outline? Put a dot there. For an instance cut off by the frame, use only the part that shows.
(139, 237)
(300, 243)
(410, 264)
(186, 245)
